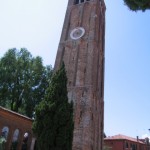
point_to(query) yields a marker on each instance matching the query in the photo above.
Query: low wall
(16, 129)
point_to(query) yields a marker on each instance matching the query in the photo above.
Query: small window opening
(69, 83)
(3, 137)
(14, 143)
(4, 133)
(92, 117)
(80, 1)
(84, 70)
(82, 93)
(76, 1)
(131, 145)
(127, 146)
(80, 114)
(25, 141)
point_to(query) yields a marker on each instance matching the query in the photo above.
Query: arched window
(3, 137)
(4, 132)
(76, 1)
(15, 139)
(25, 141)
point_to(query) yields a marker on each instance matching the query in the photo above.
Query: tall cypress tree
(53, 123)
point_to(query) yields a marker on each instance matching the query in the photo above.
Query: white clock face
(77, 33)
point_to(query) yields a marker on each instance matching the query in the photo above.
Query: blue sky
(37, 24)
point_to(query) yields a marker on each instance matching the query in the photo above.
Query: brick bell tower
(81, 48)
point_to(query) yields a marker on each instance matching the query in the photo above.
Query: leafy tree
(138, 4)
(23, 80)
(53, 123)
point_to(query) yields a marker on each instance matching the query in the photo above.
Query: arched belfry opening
(80, 1)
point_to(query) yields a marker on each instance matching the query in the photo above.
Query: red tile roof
(123, 137)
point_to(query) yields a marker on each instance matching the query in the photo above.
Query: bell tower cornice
(76, 2)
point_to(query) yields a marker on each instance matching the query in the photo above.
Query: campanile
(81, 48)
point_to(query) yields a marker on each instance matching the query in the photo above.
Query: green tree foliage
(23, 80)
(53, 123)
(138, 4)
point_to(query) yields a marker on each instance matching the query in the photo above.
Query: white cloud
(145, 136)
